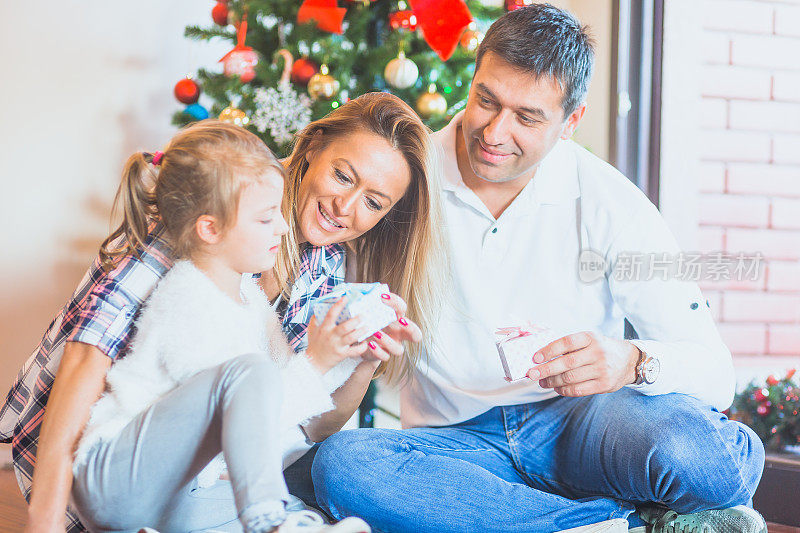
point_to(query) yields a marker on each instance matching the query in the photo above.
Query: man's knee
(747, 455)
(346, 457)
(703, 460)
(343, 451)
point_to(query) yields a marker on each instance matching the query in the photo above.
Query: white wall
(593, 130)
(82, 86)
(680, 127)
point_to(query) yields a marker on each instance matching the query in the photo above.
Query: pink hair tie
(157, 156)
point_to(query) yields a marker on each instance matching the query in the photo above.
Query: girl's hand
(329, 344)
(387, 343)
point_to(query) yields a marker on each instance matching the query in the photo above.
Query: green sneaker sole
(739, 519)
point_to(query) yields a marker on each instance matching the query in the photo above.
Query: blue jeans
(544, 466)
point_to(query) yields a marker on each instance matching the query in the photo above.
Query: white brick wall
(749, 182)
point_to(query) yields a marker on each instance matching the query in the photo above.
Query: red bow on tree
(442, 23)
(325, 13)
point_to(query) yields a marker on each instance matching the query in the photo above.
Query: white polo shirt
(524, 265)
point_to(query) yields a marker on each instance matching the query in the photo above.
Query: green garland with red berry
(771, 410)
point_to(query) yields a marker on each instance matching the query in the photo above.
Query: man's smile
(491, 155)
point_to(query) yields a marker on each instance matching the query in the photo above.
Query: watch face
(650, 370)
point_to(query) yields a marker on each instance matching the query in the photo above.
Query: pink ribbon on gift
(513, 332)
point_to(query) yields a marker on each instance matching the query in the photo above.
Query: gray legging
(146, 475)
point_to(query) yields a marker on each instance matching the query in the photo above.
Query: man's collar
(555, 181)
(446, 138)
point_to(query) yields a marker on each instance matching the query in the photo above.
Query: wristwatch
(647, 369)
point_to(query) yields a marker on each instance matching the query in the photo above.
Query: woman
(360, 177)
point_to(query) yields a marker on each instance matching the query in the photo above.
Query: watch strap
(639, 369)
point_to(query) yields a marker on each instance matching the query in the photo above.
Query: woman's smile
(328, 221)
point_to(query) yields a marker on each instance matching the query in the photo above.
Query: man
(603, 425)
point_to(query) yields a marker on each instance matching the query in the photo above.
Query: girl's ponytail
(137, 202)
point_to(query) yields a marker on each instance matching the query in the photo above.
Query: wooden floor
(12, 507)
(12, 504)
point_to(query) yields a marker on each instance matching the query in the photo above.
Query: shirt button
(494, 230)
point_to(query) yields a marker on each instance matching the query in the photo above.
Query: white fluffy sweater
(188, 325)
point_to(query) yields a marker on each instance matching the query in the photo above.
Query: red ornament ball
(302, 70)
(763, 409)
(220, 13)
(760, 396)
(187, 91)
(511, 5)
(772, 381)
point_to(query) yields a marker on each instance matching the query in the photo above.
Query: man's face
(512, 120)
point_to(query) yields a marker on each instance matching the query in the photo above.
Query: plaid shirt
(321, 269)
(101, 313)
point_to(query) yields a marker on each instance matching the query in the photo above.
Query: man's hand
(585, 363)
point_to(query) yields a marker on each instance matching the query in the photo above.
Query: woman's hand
(329, 344)
(78, 384)
(41, 524)
(387, 343)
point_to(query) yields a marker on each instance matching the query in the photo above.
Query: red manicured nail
(386, 297)
(378, 335)
(403, 321)
(372, 345)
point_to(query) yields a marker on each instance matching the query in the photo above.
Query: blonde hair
(201, 172)
(406, 249)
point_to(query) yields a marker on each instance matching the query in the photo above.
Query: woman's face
(348, 187)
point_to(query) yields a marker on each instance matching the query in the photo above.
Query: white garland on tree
(283, 111)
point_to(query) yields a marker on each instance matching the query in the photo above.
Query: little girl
(209, 370)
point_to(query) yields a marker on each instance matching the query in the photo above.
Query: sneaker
(739, 519)
(311, 522)
(617, 525)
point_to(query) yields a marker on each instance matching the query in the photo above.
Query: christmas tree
(772, 410)
(295, 61)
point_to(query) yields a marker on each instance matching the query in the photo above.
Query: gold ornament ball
(401, 72)
(234, 115)
(431, 104)
(234, 16)
(471, 39)
(323, 85)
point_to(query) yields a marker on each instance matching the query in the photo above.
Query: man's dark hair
(545, 40)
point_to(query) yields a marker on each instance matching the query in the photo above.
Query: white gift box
(516, 346)
(364, 301)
